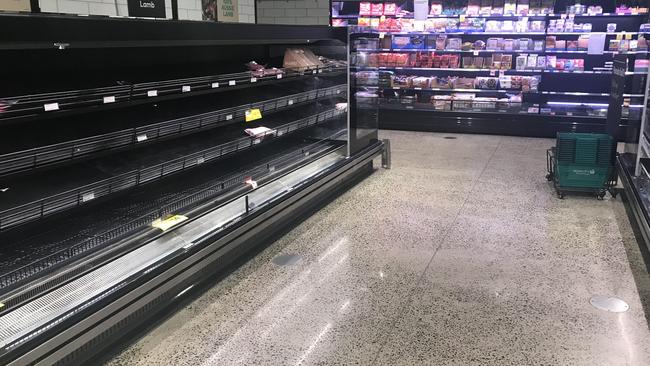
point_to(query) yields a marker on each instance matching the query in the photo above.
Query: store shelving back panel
(574, 98)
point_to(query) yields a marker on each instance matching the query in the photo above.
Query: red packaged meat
(377, 9)
(390, 9)
(364, 9)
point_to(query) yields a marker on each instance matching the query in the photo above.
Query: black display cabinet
(439, 85)
(139, 158)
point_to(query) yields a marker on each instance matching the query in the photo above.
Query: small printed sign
(147, 8)
(169, 222)
(51, 107)
(253, 114)
(152, 93)
(108, 100)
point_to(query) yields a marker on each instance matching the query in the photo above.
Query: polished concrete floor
(459, 255)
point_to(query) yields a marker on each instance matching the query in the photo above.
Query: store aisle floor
(459, 255)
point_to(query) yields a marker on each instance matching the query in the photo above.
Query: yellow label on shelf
(253, 114)
(628, 36)
(461, 18)
(2, 305)
(619, 36)
(167, 223)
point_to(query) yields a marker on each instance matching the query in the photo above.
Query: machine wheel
(549, 177)
(601, 195)
(560, 195)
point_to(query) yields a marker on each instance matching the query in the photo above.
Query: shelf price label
(279, 76)
(108, 100)
(152, 93)
(186, 89)
(228, 117)
(253, 80)
(142, 137)
(253, 114)
(290, 102)
(87, 197)
(169, 222)
(232, 83)
(200, 160)
(215, 85)
(51, 107)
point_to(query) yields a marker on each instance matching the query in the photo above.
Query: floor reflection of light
(314, 343)
(303, 281)
(344, 306)
(624, 335)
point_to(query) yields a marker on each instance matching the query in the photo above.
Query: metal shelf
(27, 106)
(83, 194)
(71, 150)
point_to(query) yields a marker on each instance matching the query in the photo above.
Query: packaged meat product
(436, 9)
(506, 62)
(486, 7)
(441, 42)
(377, 9)
(300, 58)
(410, 42)
(492, 44)
(454, 43)
(523, 7)
(441, 102)
(551, 62)
(454, 61)
(541, 62)
(390, 9)
(505, 81)
(508, 44)
(550, 42)
(402, 81)
(444, 61)
(486, 82)
(583, 42)
(365, 8)
(560, 45)
(363, 22)
(468, 62)
(572, 45)
(521, 62)
(497, 7)
(492, 26)
(420, 82)
(467, 46)
(473, 7)
(538, 45)
(532, 62)
(464, 83)
(510, 7)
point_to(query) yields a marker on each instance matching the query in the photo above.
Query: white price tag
(382, 34)
(253, 80)
(493, 72)
(272, 168)
(476, 53)
(51, 107)
(229, 117)
(569, 113)
(232, 83)
(152, 93)
(200, 160)
(320, 71)
(279, 76)
(87, 197)
(215, 85)
(110, 99)
(416, 88)
(251, 183)
(142, 137)
(314, 71)
(533, 110)
(186, 88)
(290, 102)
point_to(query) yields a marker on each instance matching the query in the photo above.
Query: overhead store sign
(15, 5)
(146, 8)
(228, 11)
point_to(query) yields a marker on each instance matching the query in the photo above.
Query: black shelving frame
(309, 131)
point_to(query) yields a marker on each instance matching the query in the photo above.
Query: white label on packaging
(409, 107)
(533, 110)
(152, 93)
(215, 85)
(314, 71)
(51, 107)
(569, 113)
(200, 160)
(290, 102)
(142, 137)
(87, 197)
(186, 88)
(417, 88)
(229, 117)
(279, 76)
(232, 83)
(253, 80)
(251, 183)
(110, 99)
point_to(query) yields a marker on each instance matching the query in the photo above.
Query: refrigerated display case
(140, 157)
(534, 71)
